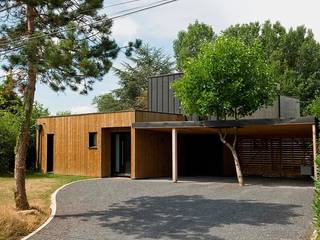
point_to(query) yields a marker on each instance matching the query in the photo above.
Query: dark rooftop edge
(223, 124)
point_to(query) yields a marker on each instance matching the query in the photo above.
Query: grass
(14, 225)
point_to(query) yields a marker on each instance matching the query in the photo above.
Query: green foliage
(9, 100)
(9, 125)
(63, 113)
(107, 103)
(188, 43)
(316, 203)
(10, 118)
(9, 130)
(314, 107)
(70, 47)
(294, 53)
(227, 79)
(145, 62)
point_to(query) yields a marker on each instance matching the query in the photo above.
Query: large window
(92, 139)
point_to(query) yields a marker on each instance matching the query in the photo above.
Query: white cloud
(165, 22)
(124, 28)
(159, 27)
(83, 109)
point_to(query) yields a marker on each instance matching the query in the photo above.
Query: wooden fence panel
(275, 156)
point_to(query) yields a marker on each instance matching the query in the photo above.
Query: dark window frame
(92, 143)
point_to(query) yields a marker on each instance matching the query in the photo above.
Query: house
(161, 142)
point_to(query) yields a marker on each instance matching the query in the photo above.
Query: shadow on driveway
(185, 217)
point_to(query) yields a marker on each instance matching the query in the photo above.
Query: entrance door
(50, 144)
(121, 154)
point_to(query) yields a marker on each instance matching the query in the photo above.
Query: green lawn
(39, 189)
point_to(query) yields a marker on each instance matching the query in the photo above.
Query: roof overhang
(223, 124)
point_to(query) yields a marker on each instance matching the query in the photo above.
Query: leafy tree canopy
(133, 79)
(63, 113)
(71, 44)
(9, 99)
(227, 79)
(107, 102)
(314, 107)
(294, 53)
(188, 43)
(10, 118)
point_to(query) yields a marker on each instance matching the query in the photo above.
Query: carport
(266, 147)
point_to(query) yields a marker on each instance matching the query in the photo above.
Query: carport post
(174, 155)
(314, 144)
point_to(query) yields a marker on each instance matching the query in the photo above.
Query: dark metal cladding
(161, 96)
(161, 99)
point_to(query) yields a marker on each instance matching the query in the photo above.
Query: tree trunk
(23, 138)
(232, 148)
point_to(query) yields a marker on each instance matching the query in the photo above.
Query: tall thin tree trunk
(23, 138)
(233, 150)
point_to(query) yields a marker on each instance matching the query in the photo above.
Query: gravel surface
(215, 208)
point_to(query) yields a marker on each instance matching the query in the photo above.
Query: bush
(316, 204)
(8, 134)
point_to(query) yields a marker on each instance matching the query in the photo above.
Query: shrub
(316, 204)
(8, 135)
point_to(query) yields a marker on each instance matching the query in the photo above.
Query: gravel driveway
(214, 208)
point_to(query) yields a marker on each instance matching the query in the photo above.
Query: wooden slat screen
(274, 156)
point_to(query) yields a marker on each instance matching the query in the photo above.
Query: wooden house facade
(275, 141)
(141, 144)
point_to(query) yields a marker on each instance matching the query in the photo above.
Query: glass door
(121, 154)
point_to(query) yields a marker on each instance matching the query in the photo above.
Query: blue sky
(158, 27)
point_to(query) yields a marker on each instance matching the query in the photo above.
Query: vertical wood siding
(72, 155)
(152, 154)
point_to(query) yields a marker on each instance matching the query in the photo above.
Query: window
(92, 139)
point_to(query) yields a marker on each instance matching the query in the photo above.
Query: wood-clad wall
(72, 155)
(152, 154)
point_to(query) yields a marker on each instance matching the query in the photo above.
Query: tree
(314, 107)
(10, 118)
(9, 99)
(227, 79)
(133, 80)
(10, 105)
(188, 43)
(63, 113)
(107, 103)
(9, 125)
(294, 53)
(60, 43)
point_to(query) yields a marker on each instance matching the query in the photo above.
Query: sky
(158, 27)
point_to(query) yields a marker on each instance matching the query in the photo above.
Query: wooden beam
(174, 155)
(314, 144)
(133, 153)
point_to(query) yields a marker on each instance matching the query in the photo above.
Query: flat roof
(223, 124)
(112, 112)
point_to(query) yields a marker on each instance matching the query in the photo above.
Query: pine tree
(64, 44)
(133, 77)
